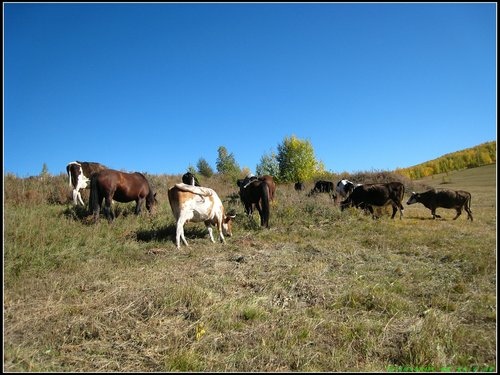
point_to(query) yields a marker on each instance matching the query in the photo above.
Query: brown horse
(256, 192)
(122, 187)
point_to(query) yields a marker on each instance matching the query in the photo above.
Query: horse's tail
(94, 200)
(264, 220)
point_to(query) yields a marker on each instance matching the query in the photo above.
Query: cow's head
(227, 224)
(415, 197)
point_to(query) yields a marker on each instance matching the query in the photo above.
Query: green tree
(226, 163)
(268, 165)
(297, 161)
(45, 171)
(204, 168)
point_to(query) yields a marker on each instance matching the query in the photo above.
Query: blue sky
(156, 87)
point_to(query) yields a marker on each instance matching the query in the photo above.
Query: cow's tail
(264, 220)
(94, 200)
(402, 197)
(69, 175)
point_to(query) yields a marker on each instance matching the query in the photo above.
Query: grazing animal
(110, 185)
(190, 179)
(269, 180)
(299, 186)
(322, 187)
(344, 188)
(368, 195)
(432, 199)
(79, 173)
(196, 204)
(257, 192)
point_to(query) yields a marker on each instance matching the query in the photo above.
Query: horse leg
(138, 205)
(107, 209)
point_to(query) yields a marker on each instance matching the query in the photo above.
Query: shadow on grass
(77, 213)
(168, 233)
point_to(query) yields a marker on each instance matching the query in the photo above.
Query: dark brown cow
(79, 173)
(299, 186)
(432, 199)
(367, 195)
(322, 187)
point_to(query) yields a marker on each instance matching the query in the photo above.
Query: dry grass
(321, 290)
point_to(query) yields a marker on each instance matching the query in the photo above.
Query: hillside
(477, 156)
(321, 290)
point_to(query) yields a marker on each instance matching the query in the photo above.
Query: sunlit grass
(321, 290)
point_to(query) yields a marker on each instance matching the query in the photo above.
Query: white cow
(196, 204)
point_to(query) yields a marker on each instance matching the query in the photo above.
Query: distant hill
(477, 156)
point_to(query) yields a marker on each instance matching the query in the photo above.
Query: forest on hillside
(477, 156)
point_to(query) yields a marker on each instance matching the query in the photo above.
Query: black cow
(323, 187)
(190, 179)
(299, 186)
(368, 195)
(432, 199)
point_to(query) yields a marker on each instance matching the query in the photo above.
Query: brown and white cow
(79, 173)
(367, 195)
(432, 199)
(197, 204)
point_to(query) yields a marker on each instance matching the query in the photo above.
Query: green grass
(321, 290)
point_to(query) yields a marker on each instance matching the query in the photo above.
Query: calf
(196, 204)
(79, 173)
(368, 195)
(432, 199)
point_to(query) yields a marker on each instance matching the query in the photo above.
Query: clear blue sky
(156, 87)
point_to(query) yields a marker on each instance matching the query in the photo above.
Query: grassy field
(321, 290)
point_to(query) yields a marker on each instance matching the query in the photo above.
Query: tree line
(294, 161)
(477, 156)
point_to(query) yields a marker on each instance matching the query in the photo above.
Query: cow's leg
(210, 230)
(459, 212)
(434, 214)
(469, 213)
(80, 198)
(75, 197)
(394, 210)
(401, 209)
(179, 233)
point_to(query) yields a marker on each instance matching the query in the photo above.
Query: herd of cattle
(191, 202)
